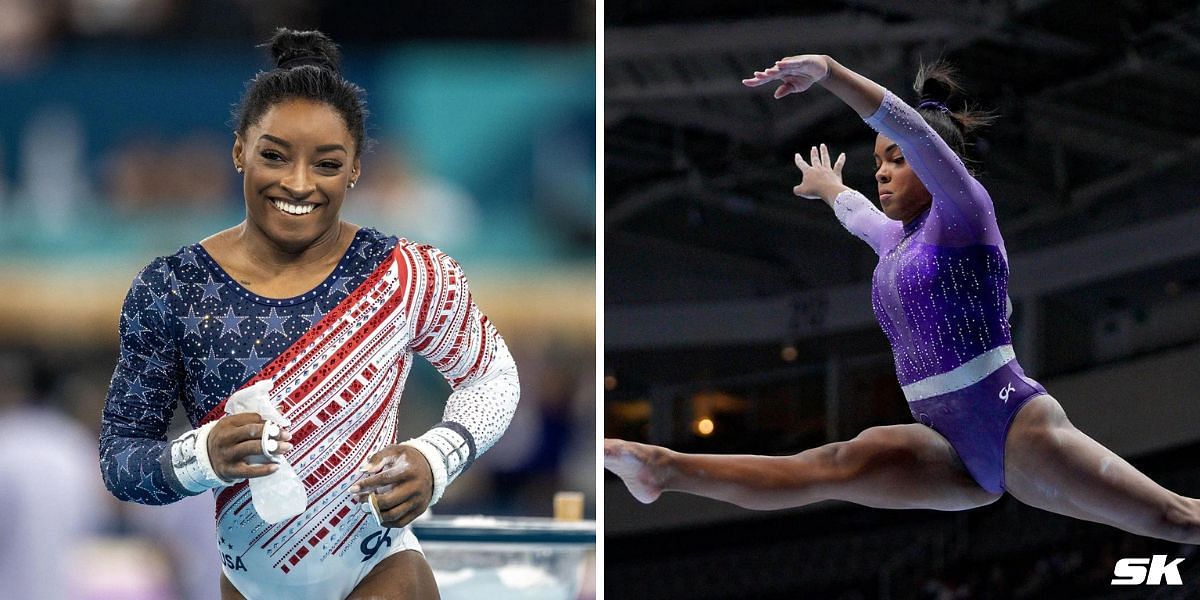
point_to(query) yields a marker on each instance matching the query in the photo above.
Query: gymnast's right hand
(796, 73)
(235, 447)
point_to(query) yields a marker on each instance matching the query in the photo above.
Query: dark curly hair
(308, 67)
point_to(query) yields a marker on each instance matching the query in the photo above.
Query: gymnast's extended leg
(898, 466)
(1054, 466)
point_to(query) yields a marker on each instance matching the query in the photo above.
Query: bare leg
(1052, 465)
(402, 576)
(899, 466)
(228, 592)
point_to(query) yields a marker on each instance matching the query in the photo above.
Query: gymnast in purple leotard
(940, 295)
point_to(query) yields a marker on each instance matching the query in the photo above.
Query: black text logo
(233, 562)
(374, 541)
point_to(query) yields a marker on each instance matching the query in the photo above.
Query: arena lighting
(610, 383)
(705, 426)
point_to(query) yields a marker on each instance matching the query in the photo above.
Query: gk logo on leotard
(1006, 391)
(369, 549)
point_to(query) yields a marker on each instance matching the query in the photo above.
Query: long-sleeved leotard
(940, 293)
(338, 357)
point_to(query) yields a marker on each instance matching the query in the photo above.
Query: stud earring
(352, 184)
(239, 168)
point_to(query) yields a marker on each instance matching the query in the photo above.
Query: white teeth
(293, 209)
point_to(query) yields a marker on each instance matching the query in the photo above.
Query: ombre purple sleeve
(860, 217)
(962, 212)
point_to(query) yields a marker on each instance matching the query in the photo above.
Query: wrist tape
(189, 460)
(448, 453)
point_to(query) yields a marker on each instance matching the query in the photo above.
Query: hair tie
(934, 104)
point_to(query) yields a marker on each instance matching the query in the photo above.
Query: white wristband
(437, 464)
(190, 461)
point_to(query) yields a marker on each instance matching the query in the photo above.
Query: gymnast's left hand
(823, 178)
(402, 482)
(795, 73)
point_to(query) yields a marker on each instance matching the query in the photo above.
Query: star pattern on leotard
(340, 285)
(187, 256)
(212, 363)
(314, 317)
(157, 363)
(134, 325)
(197, 391)
(211, 289)
(136, 388)
(122, 459)
(191, 323)
(159, 305)
(231, 322)
(274, 323)
(185, 325)
(253, 363)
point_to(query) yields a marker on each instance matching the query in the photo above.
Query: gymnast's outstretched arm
(957, 196)
(798, 73)
(822, 179)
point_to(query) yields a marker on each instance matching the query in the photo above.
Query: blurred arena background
(737, 317)
(115, 144)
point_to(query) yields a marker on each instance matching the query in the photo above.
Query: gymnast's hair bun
(937, 82)
(291, 48)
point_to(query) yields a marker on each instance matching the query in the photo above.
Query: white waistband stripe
(971, 372)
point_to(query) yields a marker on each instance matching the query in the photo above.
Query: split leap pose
(940, 292)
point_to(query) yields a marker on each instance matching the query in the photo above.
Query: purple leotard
(940, 293)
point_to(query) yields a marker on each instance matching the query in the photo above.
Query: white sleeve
(860, 217)
(462, 344)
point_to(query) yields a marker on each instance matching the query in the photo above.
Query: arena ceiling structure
(710, 261)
